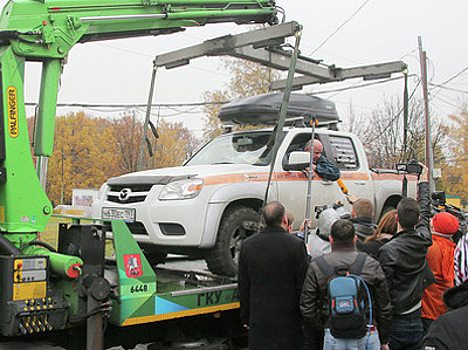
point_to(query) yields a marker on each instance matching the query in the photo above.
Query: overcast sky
(372, 31)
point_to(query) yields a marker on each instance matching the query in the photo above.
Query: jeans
(369, 342)
(406, 332)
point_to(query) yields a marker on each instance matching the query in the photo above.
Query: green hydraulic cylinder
(45, 124)
(49, 29)
(65, 266)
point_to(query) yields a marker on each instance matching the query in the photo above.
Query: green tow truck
(43, 289)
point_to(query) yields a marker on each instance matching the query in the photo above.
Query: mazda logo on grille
(124, 194)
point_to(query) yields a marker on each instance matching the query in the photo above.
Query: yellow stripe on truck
(179, 314)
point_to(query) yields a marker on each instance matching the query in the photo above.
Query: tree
(84, 155)
(455, 176)
(88, 151)
(175, 142)
(127, 132)
(248, 79)
(382, 134)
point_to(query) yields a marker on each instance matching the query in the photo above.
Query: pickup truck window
(240, 148)
(344, 152)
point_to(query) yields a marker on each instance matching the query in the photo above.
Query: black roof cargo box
(264, 109)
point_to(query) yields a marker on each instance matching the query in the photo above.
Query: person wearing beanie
(440, 260)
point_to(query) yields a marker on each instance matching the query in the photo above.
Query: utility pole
(429, 152)
(61, 192)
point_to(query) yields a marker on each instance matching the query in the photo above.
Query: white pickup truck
(210, 204)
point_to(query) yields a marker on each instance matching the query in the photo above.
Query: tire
(153, 254)
(237, 224)
(202, 344)
(385, 210)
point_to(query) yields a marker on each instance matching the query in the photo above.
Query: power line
(450, 98)
(446, 102)
(341, 26)
(354, 86)
(455, 76)
(409, 53)
(118, 48)
(433, 105)
(448, 88)
(397, 115)
(195, 66)
(450, 80)
(130, 105)
(358, 86)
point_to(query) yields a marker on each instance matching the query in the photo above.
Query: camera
(412, 167)
(439, 197)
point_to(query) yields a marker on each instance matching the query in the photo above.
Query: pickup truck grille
(134, 188)
(126, 194)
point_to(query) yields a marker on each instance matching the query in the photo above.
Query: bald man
(272, 267)
(322, 166)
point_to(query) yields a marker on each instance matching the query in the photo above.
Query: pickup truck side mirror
(298, 161)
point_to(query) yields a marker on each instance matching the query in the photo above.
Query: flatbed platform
(184, 288)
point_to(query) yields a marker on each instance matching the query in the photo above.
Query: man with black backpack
(346, 293)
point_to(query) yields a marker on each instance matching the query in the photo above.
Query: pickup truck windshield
(240, 148)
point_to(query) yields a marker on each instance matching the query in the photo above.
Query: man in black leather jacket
(403, 260)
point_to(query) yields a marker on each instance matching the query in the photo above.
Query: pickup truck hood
(201, 171)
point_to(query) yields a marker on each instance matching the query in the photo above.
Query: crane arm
(45, 31)
(49, 28)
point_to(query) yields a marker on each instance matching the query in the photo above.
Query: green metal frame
(45, 31)
(145, 298)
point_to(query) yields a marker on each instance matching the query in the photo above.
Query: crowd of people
(415, 277)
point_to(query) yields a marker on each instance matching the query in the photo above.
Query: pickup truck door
(348, 154)
(292, 187)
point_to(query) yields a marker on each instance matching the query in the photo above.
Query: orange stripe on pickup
(277, 176)
(398, 177)
(354, 176)
(225, 179)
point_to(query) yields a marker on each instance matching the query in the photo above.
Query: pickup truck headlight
(182, 189)
(101, 191)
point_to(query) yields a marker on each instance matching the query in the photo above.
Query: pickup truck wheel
(236, 225)
(385, 210)
(202, 344)
(153, 255)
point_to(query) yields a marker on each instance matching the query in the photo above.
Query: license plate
(127, 214)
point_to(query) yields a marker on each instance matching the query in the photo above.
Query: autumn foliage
(88, 151)
(248, 79)
(455, 175)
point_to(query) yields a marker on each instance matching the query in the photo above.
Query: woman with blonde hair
(385, 230)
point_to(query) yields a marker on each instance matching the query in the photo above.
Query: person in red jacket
(440, 260)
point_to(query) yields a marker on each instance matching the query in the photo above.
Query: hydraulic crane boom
(42, 289)
(45, 31)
